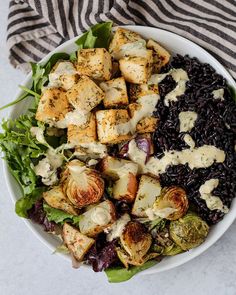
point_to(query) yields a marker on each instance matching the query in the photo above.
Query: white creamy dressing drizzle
(100, 216)
(189, 141)
(112, 93)
(212, 202)
(93, 148)
(154, 213)
(63, 68)
(76, 117)
(117, 227)
(38, 133)
(200, 157)
(187, 120)
(137, 48)
(92, 162)
(180, 76)
(218, 94)
(47, 167)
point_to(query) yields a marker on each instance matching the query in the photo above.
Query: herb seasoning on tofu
(129, 151)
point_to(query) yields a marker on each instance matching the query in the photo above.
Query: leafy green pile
(22, 150)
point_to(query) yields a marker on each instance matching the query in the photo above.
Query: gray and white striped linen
(36, 27)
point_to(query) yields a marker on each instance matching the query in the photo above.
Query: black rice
(215, 125)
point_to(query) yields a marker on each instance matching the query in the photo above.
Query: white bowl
(175, 44)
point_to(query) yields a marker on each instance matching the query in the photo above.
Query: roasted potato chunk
(123, 172)
(76, 242)
(137, 69)
(148, 191)
(115, 93)
(122, 36)
(83, 134)
(53, 106)
(160, 55)
(58, 200)
(113, 126)
(85, 95)
(83, 186)
(114, 168)
(95, 63)
(96, 219)
(125, 188)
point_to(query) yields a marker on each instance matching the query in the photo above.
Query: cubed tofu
(85, 95)
(63, 75)
(58, 200)
(76, 242)
(122, 36)
(86, 133)
(96, 219)
(149, 190)
(115, 168)
(138, 90)
(115, 93)
(125, 188)
(137, 69)
(53, 106)
(160, 55)
(145, 125)
(95, 63)
(113, 126)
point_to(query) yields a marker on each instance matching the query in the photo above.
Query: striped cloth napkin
(36, 27)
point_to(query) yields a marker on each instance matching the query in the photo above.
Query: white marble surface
(27, 267)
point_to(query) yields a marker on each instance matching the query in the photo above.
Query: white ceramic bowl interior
(175, 44)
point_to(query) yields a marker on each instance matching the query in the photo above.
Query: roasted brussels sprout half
(83, 186)
(189, 231)
(136, 242)
(172, 203)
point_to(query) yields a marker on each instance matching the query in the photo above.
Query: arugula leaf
(40, 78)
(59, 216)
(25, 203)
(73, 56)
(120, 274)
(97, 37)
(21, 149)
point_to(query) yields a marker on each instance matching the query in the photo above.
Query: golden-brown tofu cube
(85, 95)
(115, 93)
(76, 242)
(137, 69)
(113, 126)
(58, 200)
(86, 133)
(122, 36)
(53, 106)
(63, 75)
(138, 90)
(95, 63)
(145, 125)
(160, 55)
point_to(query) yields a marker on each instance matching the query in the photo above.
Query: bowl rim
(228, 218)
